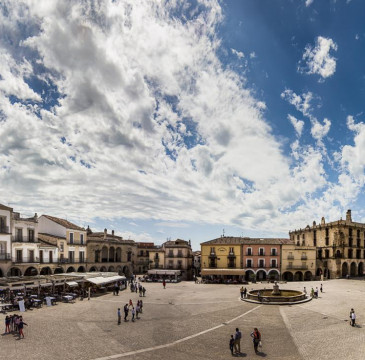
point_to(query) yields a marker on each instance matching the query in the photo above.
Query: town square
(195, 321)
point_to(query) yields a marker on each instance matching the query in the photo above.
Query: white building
(5, 238)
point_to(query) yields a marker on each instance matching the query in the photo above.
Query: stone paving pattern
(318, 329)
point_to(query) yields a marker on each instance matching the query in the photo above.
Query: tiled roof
(65, 223)
(4, 207)
(231, 240)
(44, 243)
(99, 236)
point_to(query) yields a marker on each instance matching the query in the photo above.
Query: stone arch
(46, 271)
(70, 269)
(14, 271)
(111, 254)
(118, 255)
(93, 269)
(360, 269)
(345, 269)
(31, 271)
(288, 276)
(111, 269)
(119, 270)
(1, 273)
(104, 254)
(319, 272)
(81, 269)
(273, 274)
(103, 269)
(353, 269)
(126, 271)
(250, 275)
(298, 276)
(260, 275)
(308, 276)
(59, 270)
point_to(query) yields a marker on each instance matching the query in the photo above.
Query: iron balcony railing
(72, 261)
(5, 256)
(4, 229)
(290, 257)
(23, 239)
(26, 259)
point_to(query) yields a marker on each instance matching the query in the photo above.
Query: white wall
(50, 227)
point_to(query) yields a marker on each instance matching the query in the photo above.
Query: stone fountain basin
(285, 295)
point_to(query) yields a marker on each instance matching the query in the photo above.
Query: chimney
(88, 230)
(323, 222)
(105, 232)
(348, 216)
(35, 216)
(112, 232)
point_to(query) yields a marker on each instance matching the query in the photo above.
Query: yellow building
(222, 257)
(298, 262)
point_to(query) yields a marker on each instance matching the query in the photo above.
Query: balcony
(212, 265)
(72, 261)
(170, 255)
(24, 239)
(290, 257)
(5, 256)
(297, 267)
(30, 259)
(303, 257)
(231, 255)
(4, 230)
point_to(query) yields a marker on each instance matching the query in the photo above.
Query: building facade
(5, 239)
(110, 252)
(298, 262)
(237, 258)
(340, 246)
(143, 257)
(173, 255)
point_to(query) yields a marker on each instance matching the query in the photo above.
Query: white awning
(164, 272)
(105, 280)
(46, 284)
(72, 283)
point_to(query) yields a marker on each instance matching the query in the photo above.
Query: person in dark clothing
(231, 344)
(119, 316)
(21, 326)
(126, 311)
(256, 337)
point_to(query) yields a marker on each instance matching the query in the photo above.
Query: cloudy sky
(178, 119)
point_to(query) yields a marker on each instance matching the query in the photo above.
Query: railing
(274, 254)
(5, 256)
(46, 261)
(170, 255)
(76, 243)
(212, 265)
(290, 257)
(303, 257)
(29, 259)
(24, 239)
(297, 267)
(72, 261)
(4, 230)
(231, 255)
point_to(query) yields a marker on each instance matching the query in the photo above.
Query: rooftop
(65, 223)
(232, 240)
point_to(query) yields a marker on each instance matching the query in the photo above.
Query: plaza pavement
(195, 321)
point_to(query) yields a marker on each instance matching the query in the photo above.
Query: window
(41, 256)
(3, 227)
(231, 250)
(350, 231)
(82, 239)
(249, 251)
(179, 253)
(171, 264)
(179, 264)
(61, 247)
(82, 256)
(314, 237)
(51, 256)
(31, 235)
(129, 256)
(273, 263)
(19, 235)
(326, 253)
(261, 251)
(71, 238)
(31, 255)
(71, 256)
(19, 255)
(249, 263)
(290, 255)
(261, 263)
(350, 254)
(304, 256)
(273, 252)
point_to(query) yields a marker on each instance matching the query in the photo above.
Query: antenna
(223, 232)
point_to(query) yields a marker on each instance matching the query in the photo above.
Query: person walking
(231, 344)
(138, 309)
(143, 291)
(245, 292)
(316, 292)
(321, 288)
(7, 324)
(305, 290)
(133, 313)
(241, 291)
(237, 341)
(126, 311)
(164, 283)
(21, 326)
(256, 337)
(119, 316)
(352, 317)
(312, 293)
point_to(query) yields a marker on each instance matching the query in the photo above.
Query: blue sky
(180, 119)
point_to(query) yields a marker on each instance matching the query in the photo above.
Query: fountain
(276, 296)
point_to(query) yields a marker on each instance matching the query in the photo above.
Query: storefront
(227, 276)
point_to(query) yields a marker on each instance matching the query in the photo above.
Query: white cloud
(252, 55)
(318, 58)
(308, 2)
(357, 37)
(298, 124)
(239, 54)
(318, 130)
(300, 102)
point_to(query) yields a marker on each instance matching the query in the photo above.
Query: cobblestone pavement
(194, 321)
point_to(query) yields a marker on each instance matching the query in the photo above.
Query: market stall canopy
(222, 272)
(164, 272)
(72, 283)
(105, 280)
